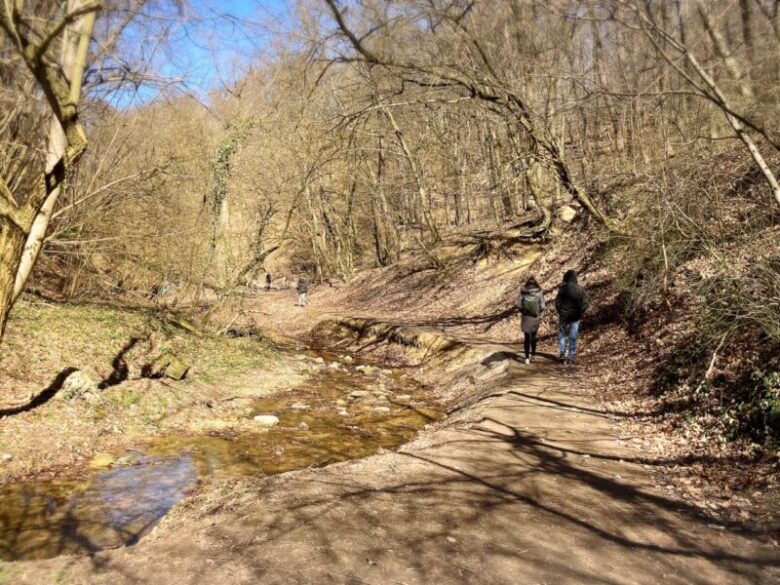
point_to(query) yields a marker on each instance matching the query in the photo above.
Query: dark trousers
(529, 343)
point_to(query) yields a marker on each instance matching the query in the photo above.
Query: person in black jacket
(571, 304)
(302, 289)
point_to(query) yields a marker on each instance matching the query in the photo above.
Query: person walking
(531, 305)
(571, 304)
(267, 281)
(303, 288)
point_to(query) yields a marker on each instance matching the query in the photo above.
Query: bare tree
(59, 79)
(481, 80)
(703, 82)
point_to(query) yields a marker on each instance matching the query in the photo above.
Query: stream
(338, 414)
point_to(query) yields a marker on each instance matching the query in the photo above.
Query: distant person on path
(268, 281)
(531, 305)
(303, 288)
(571, 304)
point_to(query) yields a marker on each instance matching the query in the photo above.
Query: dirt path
(528, 486)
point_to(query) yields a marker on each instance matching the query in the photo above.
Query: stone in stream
(341, 402)
(382, 409)
(299, 406)
(101, 461)
(380, 388)
(366, 369)
(403, 398)
(343, 412)
(5, 457)
(334, 366)
(347, 359)
(266, 420)
(358, 394)
(303, 426)
(129, 459)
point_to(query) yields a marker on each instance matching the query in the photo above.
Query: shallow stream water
(117, 506)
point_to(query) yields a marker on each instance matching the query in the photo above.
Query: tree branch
(40, 49)
(9, 207)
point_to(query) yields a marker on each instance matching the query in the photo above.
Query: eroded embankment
(459, 372)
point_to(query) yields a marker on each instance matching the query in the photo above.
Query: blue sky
(213, 43)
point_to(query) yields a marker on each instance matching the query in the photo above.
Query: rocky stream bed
(343, 411)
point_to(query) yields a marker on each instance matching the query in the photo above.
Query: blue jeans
(568, 332)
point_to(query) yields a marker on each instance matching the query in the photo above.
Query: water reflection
(114, 508)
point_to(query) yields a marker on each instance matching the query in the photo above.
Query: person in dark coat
(302, 288)
(531, 305)
(571, 304)
(268, 281)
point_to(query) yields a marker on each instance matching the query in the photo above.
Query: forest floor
(532, 478)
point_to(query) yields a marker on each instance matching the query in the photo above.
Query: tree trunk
(457, 192)
(75, 46)
(494, 151)
(422, 192)
(747, 30)
(35, 239)
(318, 238)
(379, 211)
(723, 50)
(12, 240)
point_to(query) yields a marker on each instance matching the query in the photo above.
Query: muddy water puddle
(337, 415)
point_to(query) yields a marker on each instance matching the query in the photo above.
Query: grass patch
(90, 337)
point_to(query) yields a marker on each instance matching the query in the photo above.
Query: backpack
(530, 305)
